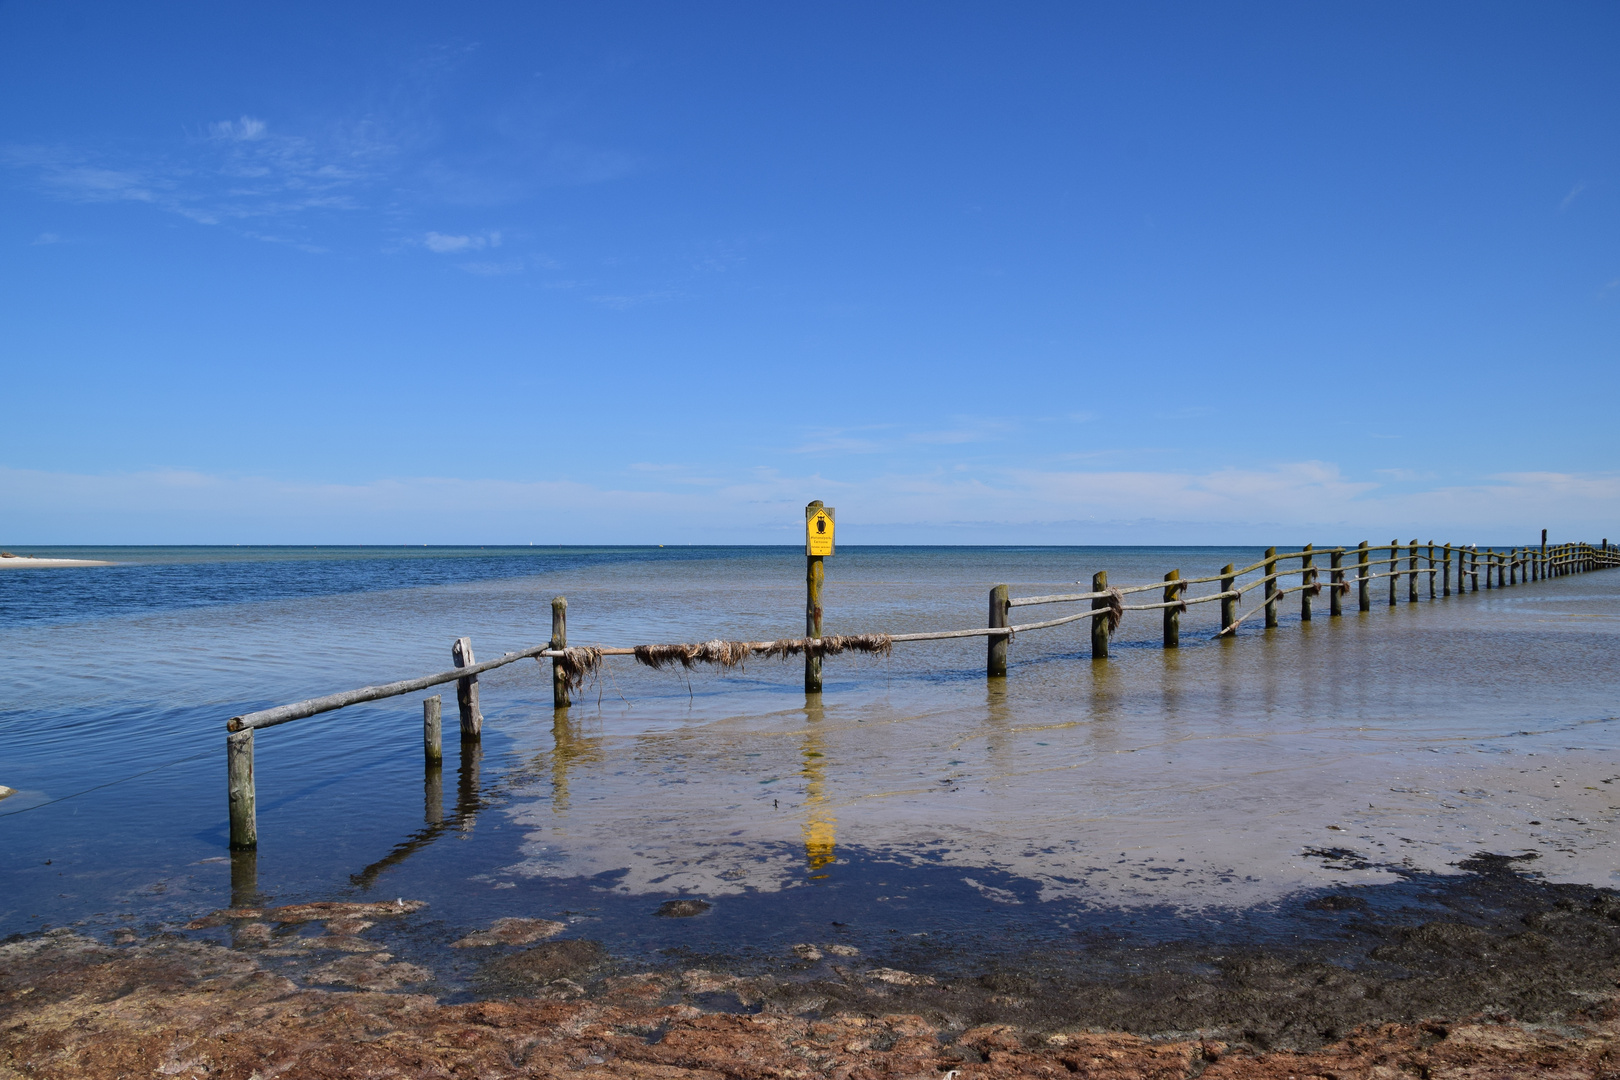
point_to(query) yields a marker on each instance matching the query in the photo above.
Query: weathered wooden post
(472, 720)
(1336, 582)
(1541, 570)
(1099, 623)
(1172, 614)
(243, 797)
(1501, 570)
(1363, 568)
(1431, 570)
(996, 660)
(1445, 573)
(1513, 566)
(432, 761)
(1228, 603)
(1490, 569)
(432, 745)
(1473, 568)
(1412, 575)
(1394, 569)
(1306, 578)
(559, 640)
(818, 544)
(1271, 588)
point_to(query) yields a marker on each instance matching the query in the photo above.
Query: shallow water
(1195, 786)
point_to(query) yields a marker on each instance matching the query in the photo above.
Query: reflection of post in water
(472, 757)
(998, 717)
(1104, 692)
(244, 877)
(569, 748)
(469, 800)
(820, 827)
(1170, 684)
(433, 793)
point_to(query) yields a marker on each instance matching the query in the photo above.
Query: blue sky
(1046, 273)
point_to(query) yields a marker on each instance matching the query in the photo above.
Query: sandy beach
(28, 562)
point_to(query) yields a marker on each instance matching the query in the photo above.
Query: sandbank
(24, 562)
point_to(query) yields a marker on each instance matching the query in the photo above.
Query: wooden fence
(1442, 568)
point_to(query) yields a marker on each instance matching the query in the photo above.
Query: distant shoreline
(26, 562)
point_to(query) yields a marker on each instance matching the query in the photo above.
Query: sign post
(818, 544)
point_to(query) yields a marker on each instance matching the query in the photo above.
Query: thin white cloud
(626, 301)
(1574, 192)
(451, 243)
(247, 129)
(235, 171)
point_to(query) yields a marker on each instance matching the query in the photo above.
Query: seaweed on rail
(1116, 607)
(729, 654)
(578, 664)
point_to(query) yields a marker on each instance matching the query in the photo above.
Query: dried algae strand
(1115, 602)
(728, 654)
(577, 664)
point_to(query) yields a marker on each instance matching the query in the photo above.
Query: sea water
(913, 797)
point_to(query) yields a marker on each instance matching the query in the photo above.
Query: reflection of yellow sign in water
(820, 827)
(818, 530)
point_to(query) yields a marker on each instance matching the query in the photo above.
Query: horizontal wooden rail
(298, 710)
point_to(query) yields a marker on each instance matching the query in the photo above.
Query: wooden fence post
(472, 721)
(1473, 568)
(815, 576)
(996, 660)
(1411, 578)
(1172, 615)
(559, 640)
(1228, 604)
(243, 796)
(1335, 582)
(1271, 588)
(1306, 577)
(1541, 570)
(432, 761)
(432, 744)
(1099, 623)
(1394, 570)
(1432, 568)
(1445, 573)
(1363, 568)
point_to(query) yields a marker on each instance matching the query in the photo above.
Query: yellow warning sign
(818, 530)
